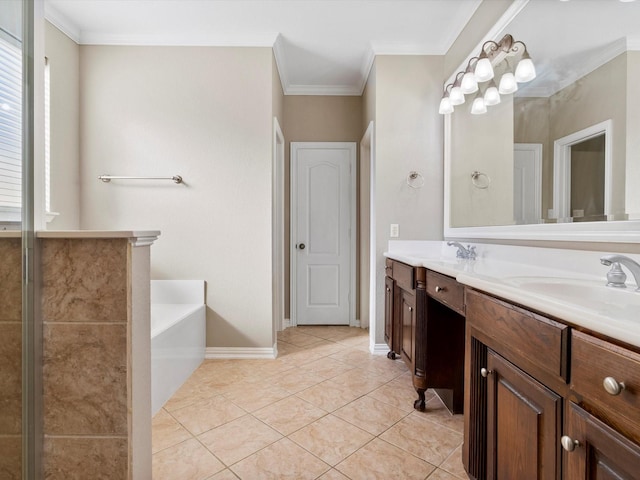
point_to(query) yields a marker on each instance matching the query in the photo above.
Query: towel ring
(415, 180)
(477, 180)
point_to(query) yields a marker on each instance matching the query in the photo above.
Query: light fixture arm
(480, 70)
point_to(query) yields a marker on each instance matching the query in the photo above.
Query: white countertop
(567, 284)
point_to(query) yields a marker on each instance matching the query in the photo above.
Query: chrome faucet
(616, 277)
(468, 253)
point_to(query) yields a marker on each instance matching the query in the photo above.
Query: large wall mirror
(558, 159)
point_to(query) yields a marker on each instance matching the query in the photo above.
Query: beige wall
(482, 143)
(632, 169)
(531, 125)
(408, 136)
(311, 118)
(64, 67)
(204, 113)
(596, 97)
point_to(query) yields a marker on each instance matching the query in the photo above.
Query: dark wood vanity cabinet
(535, 405)
(523, 423)
(424, 325)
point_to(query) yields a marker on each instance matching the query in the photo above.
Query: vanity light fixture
(525, 71)
(469, 83)
(445, 104)
(508, 82)
(478, 107)
(480, 69)
(491, 95)
(484, 69)
(455, 95)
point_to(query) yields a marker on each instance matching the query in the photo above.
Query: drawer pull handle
(568, 443)
(485, 373)
(440, 289)
(612, 386)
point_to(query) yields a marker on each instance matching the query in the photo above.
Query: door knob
(301, 246)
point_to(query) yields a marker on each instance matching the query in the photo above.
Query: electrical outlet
(395, 231)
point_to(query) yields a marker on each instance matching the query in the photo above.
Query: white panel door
(527, 183)
(322, 210)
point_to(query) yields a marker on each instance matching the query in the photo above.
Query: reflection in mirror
(587, 179)
(583, 80)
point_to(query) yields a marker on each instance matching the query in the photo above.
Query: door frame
(278, 253)
(294, 224)
(562, 168)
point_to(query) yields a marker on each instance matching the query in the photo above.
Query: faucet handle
(471, 252)
(616, 277)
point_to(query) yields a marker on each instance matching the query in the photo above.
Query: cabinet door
(601, 452)
(523, 425)
(389, 334)
(407, 313)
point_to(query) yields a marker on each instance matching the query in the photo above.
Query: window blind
(10, 130)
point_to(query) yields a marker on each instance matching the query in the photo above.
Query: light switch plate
(394, 231)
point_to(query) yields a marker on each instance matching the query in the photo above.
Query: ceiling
(322, 47)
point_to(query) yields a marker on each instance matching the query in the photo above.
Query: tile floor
(325, 409)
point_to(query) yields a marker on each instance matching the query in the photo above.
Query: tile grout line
(297, 367)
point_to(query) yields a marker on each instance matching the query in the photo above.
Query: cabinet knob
(388, 289)
(411, 309)
(568, 443)
(612, 386)
(440, 289)
(485, 373)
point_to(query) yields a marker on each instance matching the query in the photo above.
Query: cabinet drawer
(403, 275)
(593, 360)
(446, 290)
(525, 338)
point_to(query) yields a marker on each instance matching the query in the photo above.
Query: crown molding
(331, 90)
(365, 69)
(281, 63)
(514, 9)
(62, 23)
(182, 39)
(591, 63)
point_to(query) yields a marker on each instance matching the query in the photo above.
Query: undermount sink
(590, 294)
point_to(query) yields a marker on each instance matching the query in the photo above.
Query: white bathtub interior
(178, 326)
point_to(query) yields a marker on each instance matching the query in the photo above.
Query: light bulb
(525, 71)
(445, 106)
(456, 96)
(484, 70)
(478, 107)
(491, 96)
(508, 84)
(469, 83)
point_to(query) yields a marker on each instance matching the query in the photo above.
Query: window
(10, 130)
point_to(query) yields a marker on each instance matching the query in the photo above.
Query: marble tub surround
(567, 284)
(96, 354)
(10, 355)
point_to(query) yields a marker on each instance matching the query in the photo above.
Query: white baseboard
(355, 323)
(286, 323)
(240, 352)
(379, 349)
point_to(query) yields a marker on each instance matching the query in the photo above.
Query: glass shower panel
(17, 453)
